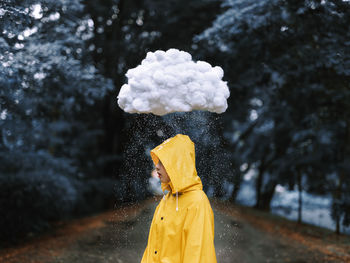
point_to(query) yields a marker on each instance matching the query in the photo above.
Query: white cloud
(171, 81)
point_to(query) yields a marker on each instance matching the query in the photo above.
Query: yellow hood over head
(177, 155)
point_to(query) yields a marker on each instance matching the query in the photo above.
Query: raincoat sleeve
(199, 235)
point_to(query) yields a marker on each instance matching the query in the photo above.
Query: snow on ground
(170, 81)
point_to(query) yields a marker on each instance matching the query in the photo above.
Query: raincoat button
(155, 252)
(161, 218)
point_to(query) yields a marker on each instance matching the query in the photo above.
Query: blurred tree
(48, 85)
(289, 69)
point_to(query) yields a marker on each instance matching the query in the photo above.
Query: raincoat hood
(177, 155)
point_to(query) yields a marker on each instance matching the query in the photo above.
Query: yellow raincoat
(182, 229)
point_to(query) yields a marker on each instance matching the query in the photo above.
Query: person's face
(163, 176)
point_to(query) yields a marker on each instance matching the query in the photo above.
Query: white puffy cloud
(171, 81)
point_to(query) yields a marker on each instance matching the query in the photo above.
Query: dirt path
(241, 235)
(246, 235)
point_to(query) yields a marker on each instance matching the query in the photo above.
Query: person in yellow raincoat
(182, 228)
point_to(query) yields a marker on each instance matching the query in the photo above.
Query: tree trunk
(337, 227)
(237, 187)
(263, 197)
(266, 196)
(237, 181)
(337, 197)
(258, 186)
(300, 200)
